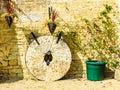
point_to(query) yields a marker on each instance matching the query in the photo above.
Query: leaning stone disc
(59, 65)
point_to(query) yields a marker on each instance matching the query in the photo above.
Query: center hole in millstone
(48, 57)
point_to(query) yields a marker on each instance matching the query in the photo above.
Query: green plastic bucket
(95, 70)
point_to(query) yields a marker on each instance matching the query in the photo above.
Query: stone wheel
(57, 66)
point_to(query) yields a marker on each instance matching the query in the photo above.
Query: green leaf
(103, 12)
(108, 7)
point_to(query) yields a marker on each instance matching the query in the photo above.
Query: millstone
(59, 64)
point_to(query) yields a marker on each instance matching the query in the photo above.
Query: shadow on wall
(10, 64)
(76, 68)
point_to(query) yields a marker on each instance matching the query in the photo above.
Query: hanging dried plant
(10, 11)
(8, 7)
(52, 16)
(7, 11)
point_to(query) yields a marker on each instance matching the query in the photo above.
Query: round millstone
(59, 65)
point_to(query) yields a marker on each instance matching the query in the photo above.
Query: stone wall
(14, 41)
(10, 63)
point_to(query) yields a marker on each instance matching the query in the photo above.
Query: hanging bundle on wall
(52, 16)
(7, 10)
(10, 11)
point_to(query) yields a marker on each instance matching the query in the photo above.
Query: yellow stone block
(13, 62)
(3, 63)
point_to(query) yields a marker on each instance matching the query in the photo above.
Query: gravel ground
(70, 84)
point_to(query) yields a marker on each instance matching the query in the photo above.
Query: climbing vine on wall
(96, 38)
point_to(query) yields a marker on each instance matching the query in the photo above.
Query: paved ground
(71, 84)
